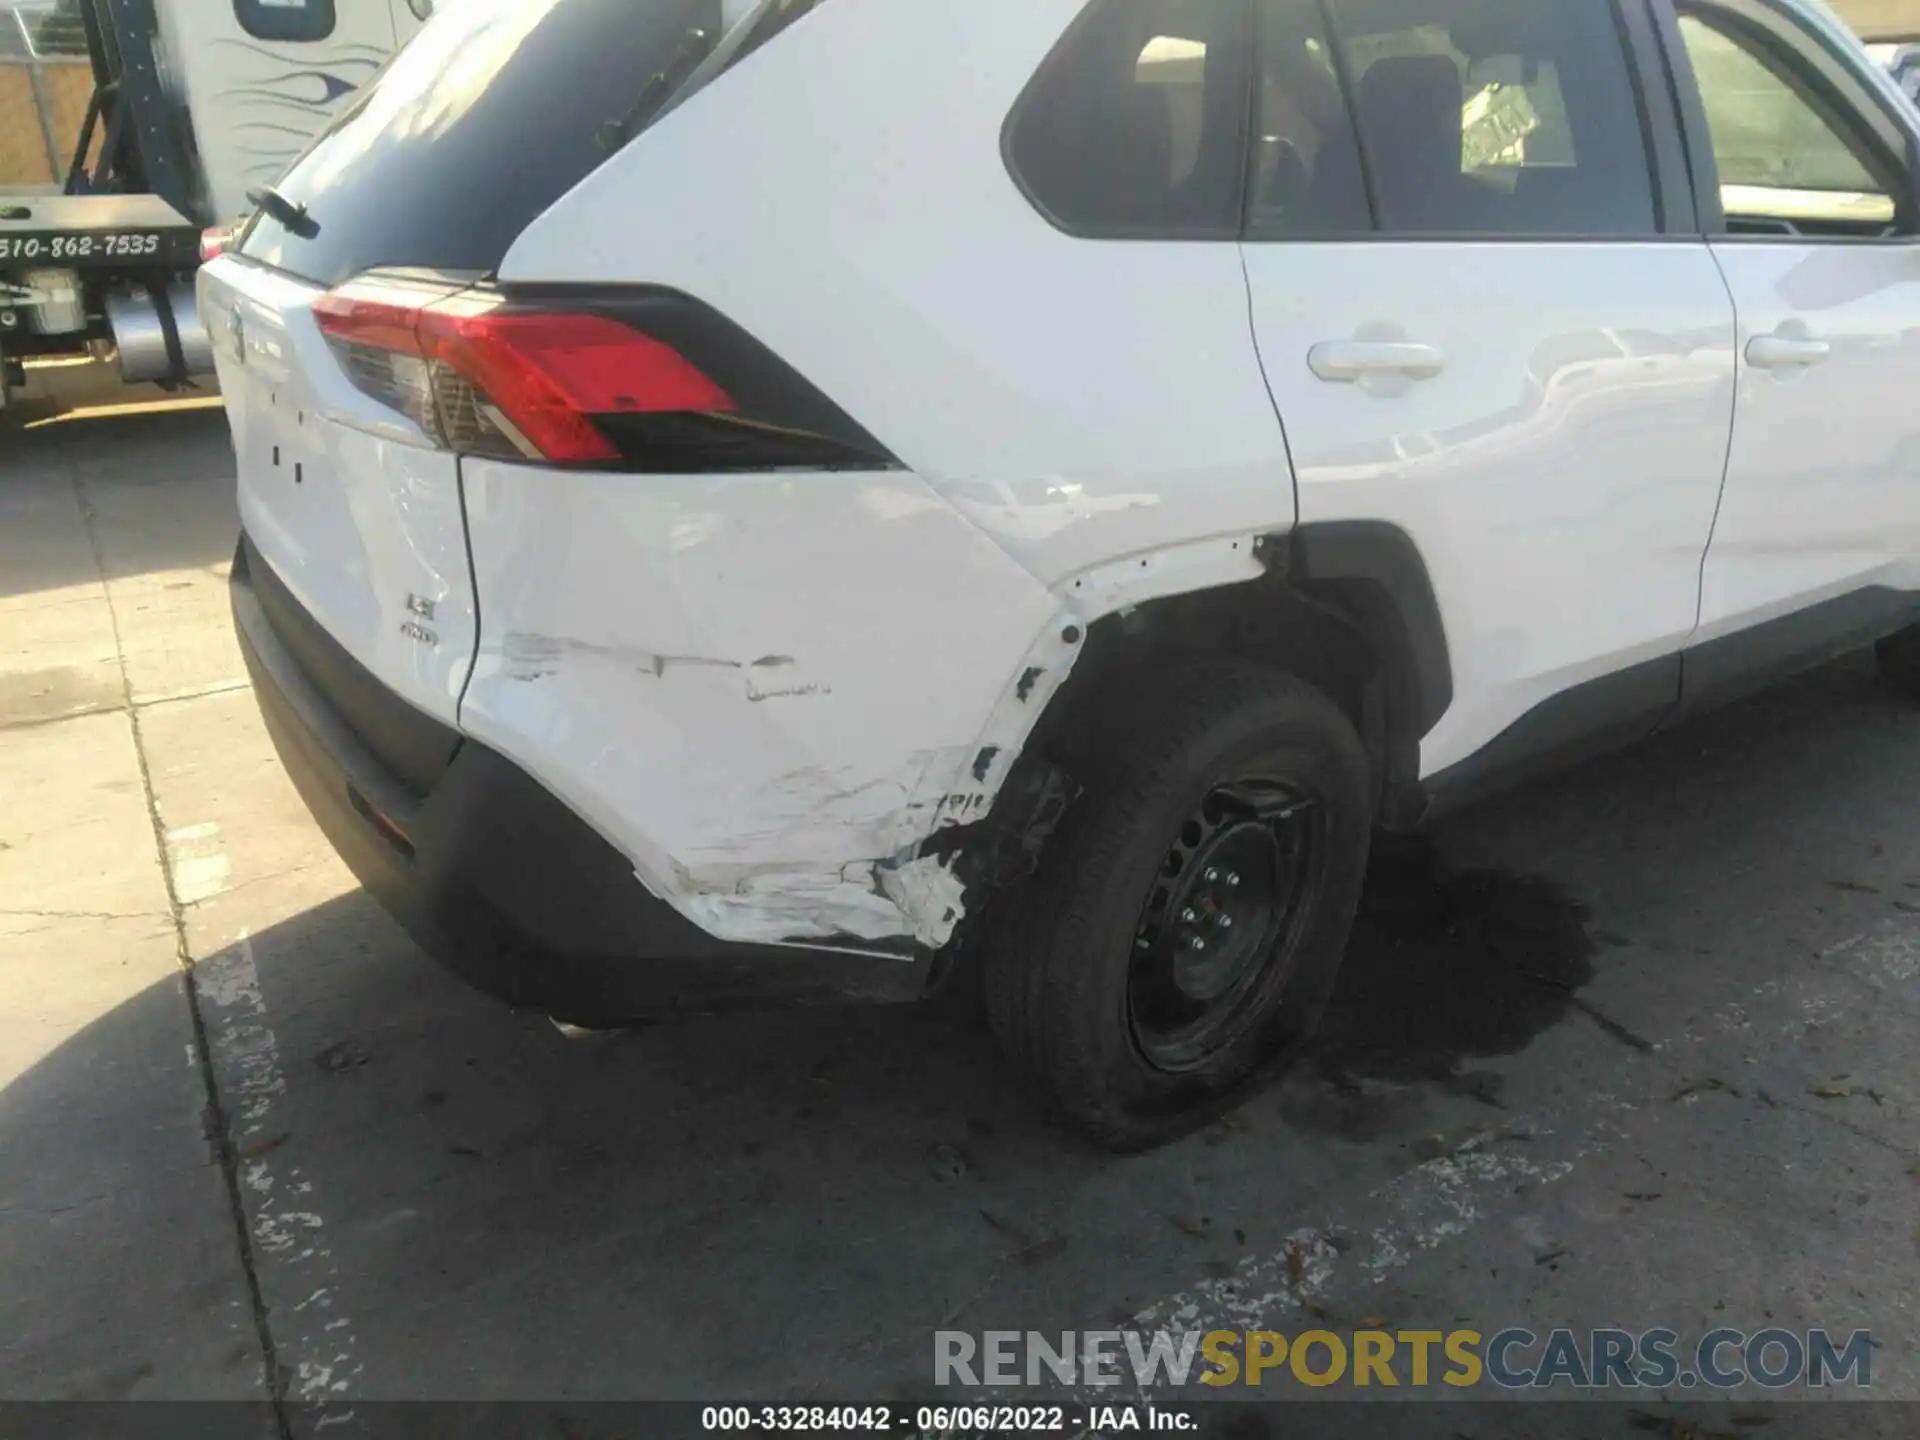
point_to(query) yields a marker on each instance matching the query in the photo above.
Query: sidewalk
(114, 1208)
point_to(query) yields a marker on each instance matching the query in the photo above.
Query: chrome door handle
(1345, 361)
(1781, 352)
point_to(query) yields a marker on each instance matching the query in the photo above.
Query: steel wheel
(1229, 805)
(1219, 932)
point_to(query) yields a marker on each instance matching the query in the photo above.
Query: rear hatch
(492, 113)
(342, 500)
(487, 117)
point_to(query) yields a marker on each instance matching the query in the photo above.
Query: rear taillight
(213, 243)
(487, 378)
(641, 384)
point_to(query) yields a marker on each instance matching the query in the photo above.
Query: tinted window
(1136, 124)
(1497, 116)
(1306, 163)
(492, 113)
(295, 20)
(1789, 160)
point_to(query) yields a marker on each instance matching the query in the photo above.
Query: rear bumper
(497, 879)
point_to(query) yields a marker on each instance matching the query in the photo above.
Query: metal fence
(45, 82)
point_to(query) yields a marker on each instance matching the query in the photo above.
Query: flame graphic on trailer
(263, 78)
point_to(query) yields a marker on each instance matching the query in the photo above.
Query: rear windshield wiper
(289, 213)
(693, 48)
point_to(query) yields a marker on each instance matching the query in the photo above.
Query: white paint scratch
(198, 862)
(1889, 958)
(1415, 1213)
(1445, 1198)
(246, 1057)
(930, 895)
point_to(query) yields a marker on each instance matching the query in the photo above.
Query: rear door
(1488, 318)
(1821, 247)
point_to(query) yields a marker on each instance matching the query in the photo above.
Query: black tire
(1899, 657)
(1089, 963)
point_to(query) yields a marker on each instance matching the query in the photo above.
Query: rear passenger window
(1496, 116)
(285, 20)
(1136, 124)
(1307, 178)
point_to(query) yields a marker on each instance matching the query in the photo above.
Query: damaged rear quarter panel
(1082, 599)
(764, 689)
(1074, 401)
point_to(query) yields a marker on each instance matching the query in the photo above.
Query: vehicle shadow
(791, 1204)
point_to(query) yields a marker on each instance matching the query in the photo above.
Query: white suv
(755, 501)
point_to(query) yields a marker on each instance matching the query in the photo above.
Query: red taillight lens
(596, 365)
(213, 244)
(641, 379)
(483, 377)
(392, 325)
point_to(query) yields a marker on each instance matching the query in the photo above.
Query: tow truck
(197, 107)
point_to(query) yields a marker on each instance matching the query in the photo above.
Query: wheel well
(1348, 608)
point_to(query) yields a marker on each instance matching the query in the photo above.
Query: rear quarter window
(1135, 126)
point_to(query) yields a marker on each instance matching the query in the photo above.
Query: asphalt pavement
(1636, 1047)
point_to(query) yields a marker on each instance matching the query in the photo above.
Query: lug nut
(1233, 880)
(1196, 944)
(1212, 875)
(1226, 922)
(1188, 916)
